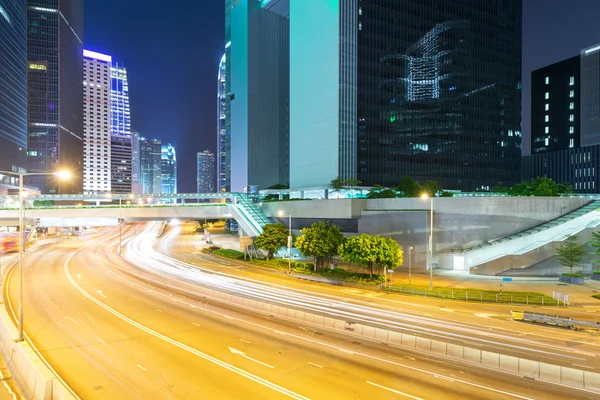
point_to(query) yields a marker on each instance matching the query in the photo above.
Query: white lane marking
(446, 309)
(241, 353)
(395, 391)
(71, 319)
(584, 366)
(481, 315)
(142, 368)
(78, 276)
(100, 293)
(245, 341)
(182, 346)
(88, 315)
(316, 365)
(279, 332)
(444, 377)
(193, 323)
(328, 345)
(157, 310)
(228, 317)
(100, 340)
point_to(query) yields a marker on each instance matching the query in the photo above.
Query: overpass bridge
(106, 210)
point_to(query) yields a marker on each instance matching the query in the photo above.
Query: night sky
(172, 50)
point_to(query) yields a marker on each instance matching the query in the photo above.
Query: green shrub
(596, 272)
(596, 296)
(229, 253)
(572, 275)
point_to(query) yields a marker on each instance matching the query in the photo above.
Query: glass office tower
(13, 88)
(385, 89)
(150, 165)
(205, 174)
(55, 93)
(223, 129)
(119, 101)
(168, 169)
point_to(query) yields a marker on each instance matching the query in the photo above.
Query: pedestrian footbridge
(105, 210)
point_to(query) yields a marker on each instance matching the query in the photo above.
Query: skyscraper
(150, 165)
(223, 129)
(13, 87)
(55, 92)
(386, 89)
(120, 161)
(206, 172)
(119, 101)
(96, 123)
(257, 83)
(168, 169)
(135, 156)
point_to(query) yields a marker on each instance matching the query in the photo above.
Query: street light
(425, 196)
(21, 175)
(289, 241)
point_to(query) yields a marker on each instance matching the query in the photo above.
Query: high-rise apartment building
(55, 93)
(223, 129)
(135, 156)
(206, 172)
(119, 101)
(257, 85)
(120, 158)
(13, 88)
(96, 123)
(555, 106)
(385, 89)
(565, 132)
(150, 165)
(168, 169)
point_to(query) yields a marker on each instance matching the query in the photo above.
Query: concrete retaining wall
(31, 374)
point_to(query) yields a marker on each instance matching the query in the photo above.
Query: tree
(336, 184)
(409, 187)
(432, 188)
(447, 194)
(565, 188)
(273, 238)
(352, 183)
(278, 186)
(380, 192)
(570, 253)
(368, 250)
(321, 241)
(595, 243)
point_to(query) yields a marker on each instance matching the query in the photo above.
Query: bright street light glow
(281, 213)
(424, 196)
(63, 174)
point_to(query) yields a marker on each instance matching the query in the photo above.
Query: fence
(488, 296)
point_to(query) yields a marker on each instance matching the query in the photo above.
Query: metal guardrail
(555, 320)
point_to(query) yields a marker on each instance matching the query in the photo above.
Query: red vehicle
(9, 243)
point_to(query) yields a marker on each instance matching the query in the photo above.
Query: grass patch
(229, 253)
(596, 296)
(468, 294)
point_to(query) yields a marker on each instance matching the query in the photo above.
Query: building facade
(565, 141)
(386, 89)
(223, 129)
(120, 158)
(119, 101)
(168, 169)
(55, 106)
(96, 123)
(206, 172)
(150, 166)
(135, 156)
(555, 106)
(257, 83)
(13, 88)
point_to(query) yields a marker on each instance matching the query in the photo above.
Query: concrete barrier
(30, 372)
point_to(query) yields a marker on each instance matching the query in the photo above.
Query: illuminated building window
(547, 80)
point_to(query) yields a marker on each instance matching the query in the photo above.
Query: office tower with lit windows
(135, 156)
(257, 91)
(555, 106)
(119, 101)
(150, 166)
(565, 127)
(13, 88)
(223, 130)
(168, 169)
(96, 123)
(120, 162)
(385, 89)
(206, 172)
(55, 93)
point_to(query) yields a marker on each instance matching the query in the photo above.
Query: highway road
(471, 324)
(111, 334)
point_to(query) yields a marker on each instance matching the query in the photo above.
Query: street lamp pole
(431, 246)
(21, 176)
(289, 243)
(119, 225)
(410, 249)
